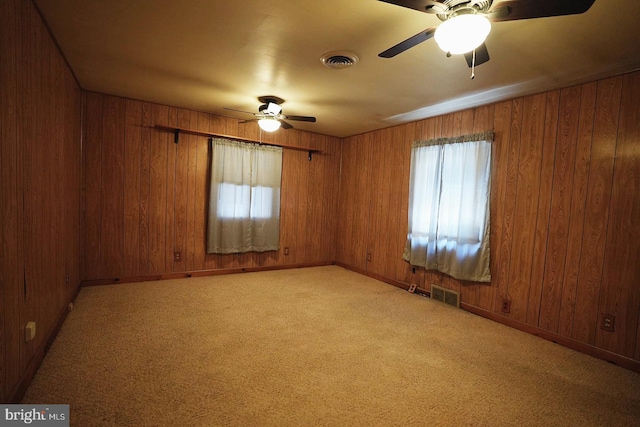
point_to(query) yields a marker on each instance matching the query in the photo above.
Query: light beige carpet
(319, 346)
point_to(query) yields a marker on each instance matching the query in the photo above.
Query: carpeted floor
(320, 346)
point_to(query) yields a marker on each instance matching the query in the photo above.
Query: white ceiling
(210, 54)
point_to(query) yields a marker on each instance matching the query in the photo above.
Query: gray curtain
(449, 198)
(244, 197)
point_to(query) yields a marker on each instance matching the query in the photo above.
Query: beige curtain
(449, 206)
(244, 197)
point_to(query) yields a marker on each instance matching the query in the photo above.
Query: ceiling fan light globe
(462, 33)
(269, 124)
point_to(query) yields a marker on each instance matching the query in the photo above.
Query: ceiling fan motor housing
(453, 8)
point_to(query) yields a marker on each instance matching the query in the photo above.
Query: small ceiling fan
(269, 115)
(466, 23)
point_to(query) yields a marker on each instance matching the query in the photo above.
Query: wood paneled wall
(40, 161)
(565, 210)
(145, 197)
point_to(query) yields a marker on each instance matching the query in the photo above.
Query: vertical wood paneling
(166, 205)
(159, 145)
(398, 202)
(314, 206)
(579, 195)
(202, 193)
(288, 203)
(530, 156)
(39, 188)
(605, 127)
(544, 207)
(560, 208)
(620, 293)
(508, 213)
(331, 158)
(354, 214)
(302, 197)
(181, 190)
(553, 158)
(379, 188)
(5, 36)
(499, 168)
(145, 188)
(72, 182)
(170, 200)
(113, 185)
(10, 195)
(132, 167)
(192, 195)
(92, 187)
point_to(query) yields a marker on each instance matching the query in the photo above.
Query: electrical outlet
(29, 331)
(177, 256)
(506, 306)
(607, 322)
(286, 251)
(412, 288)
(368, 257)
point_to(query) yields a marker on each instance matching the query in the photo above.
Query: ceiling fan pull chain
(473, 65)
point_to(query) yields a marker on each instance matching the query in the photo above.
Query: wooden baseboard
(196, 273)
(16, 395)
(616, 359)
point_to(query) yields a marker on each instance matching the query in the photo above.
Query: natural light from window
(243, 201)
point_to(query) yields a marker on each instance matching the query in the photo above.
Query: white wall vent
(445, 295)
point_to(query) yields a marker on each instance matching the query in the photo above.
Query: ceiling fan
(269, 115)
(466, 23)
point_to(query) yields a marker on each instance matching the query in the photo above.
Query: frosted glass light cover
(269, 125)
(463, 33)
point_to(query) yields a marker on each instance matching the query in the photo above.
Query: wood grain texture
(145, 186)
(10, 195)
(564, 160)
(40, 134)
(160, 144)
(132, 165)
(181, 193)
(166, 207)
(528, 181)
(563, 191)
(544, 207)
(619, 292)
(509, 208)
(499, 168)
(585, 317)
(576, 224)
(93, 188)
(353, 222)
(113, 111)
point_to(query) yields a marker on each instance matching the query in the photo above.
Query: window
(449, 206)
(244, 198)
(243, 201)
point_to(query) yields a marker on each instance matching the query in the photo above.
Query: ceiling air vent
(339, 59)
